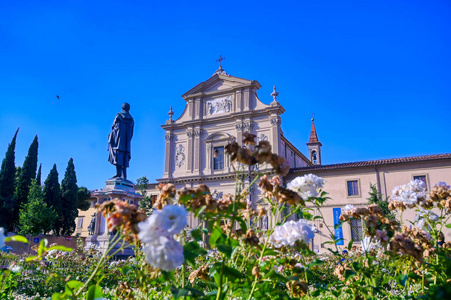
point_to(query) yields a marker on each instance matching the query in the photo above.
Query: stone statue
(92, 225)
(119, 141)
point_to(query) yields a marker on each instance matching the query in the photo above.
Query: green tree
(52, 197)
(146, 202)
(27, 174)
(69, 195)
(83, 198)
(38, 177)
(376, 198)
(35, 216)
(7, 184)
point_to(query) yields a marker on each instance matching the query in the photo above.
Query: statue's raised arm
(119, 145)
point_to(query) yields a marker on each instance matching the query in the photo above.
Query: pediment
(218, 83)
(219, 136)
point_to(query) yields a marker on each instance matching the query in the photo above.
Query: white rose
(306, 186)
(348, 208)
(164, 253)
(152, 227)
(291, 231)
(174, 218)
(168, 221)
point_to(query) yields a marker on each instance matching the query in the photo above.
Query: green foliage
(146, 202)
(83, 196)
(7, 184)
(35, 216)
(27, 174)
(69, 197)
(38, 176)
(52, 196)
(376, 198)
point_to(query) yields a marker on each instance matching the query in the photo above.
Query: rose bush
(230, 257)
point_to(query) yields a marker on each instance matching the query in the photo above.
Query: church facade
(218, 111)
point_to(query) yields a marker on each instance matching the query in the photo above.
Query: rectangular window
(422, 178)
(218, 158)
(356, 230)
(353, 188)
(80, 223)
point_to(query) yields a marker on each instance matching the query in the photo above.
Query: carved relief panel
(218, 106)
(179, 155)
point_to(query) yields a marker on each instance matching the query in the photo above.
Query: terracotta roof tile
(375, 162)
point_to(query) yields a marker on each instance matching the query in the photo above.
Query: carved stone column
(197, 150)
(190, 150)
(275, 133)
(168, 169)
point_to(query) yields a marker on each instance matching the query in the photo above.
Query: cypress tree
(35, 216)
(69, 195)
(38, 177)
(27, 173)
(7, 184)
(52, 196)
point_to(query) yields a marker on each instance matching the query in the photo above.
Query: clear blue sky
(376, 74)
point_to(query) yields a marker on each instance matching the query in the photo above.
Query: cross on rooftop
(219, 60)
(170, 113)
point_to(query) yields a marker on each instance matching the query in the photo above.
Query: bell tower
(314, 146)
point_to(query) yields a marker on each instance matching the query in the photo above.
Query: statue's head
(126, 107)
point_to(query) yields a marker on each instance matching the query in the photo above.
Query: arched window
(314, 158)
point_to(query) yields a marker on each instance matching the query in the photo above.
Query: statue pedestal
(115, 189)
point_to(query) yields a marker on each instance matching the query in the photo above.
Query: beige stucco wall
(390, 176)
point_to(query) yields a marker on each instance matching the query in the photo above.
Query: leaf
(16, 238)
(328, 242)
(307, 216)
(60, 248)
(350, 244)
(270, 252)
(402, 278)
(73, 286)
(57, 296)
(226, 249)
(348, 274)
(199, 211)
(31, 258)
(215, 235)
(232, 273)
(192, 250)
(197, 234)
(357, 266)
(125, 269)
(448, 225)
(317, 217)
(94, 292)
(316, 262)
(42, 247)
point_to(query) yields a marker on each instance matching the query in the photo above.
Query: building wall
(389, 176)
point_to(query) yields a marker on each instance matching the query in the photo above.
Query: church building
(219, 110)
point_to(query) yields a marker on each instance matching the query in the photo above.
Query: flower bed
(231, 258)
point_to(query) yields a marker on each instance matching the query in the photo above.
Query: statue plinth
(119, 185)
(115, 189)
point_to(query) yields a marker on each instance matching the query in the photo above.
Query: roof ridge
(378, 161)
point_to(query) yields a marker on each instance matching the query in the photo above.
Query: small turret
(314, 146)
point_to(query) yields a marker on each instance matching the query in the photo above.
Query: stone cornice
(203, 178)
(214, 120)
(275, 109)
